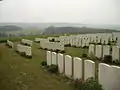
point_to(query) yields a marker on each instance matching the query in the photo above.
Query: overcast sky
(71, 11)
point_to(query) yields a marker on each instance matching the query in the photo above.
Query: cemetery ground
(19, 73)
(27, 74)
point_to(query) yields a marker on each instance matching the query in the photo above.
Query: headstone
(61, 62)
(115, 78)
(105, 39)
(98, 51)
(106, 50)
(77, 68)
(104, 76)
(10, 43)
(28, 51)
(80, 42)
(87, 41)
(24, 49)
(83, 41)
(68, 65)
(91, 50)
(77, 42)
(109, 76)
(26, 41)
(54, 58)
(99, 39)
(115, 53)
(37, 39)
(49, 57)
(89, 69)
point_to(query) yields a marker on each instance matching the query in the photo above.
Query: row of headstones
(10, 43)
(46, 44)
(108, 76)
(101, 50)
(20, 48)
(84, 39)
(27, 42)
(25, 50)
(38, 40)
(52, 45)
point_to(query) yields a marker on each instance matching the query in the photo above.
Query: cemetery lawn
(19, 73)
(76, 52)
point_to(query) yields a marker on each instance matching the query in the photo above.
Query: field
(25, 32)
(18, 38)
(19, 73)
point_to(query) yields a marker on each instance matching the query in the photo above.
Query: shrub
(86, 47)
(109, 43)
(53, 40)
(53, 69)
(57, 50)
(43, 63)
(67, 45)
(73, 46)
(62, 51)
(23, 54)
(91, 84)
(78, 84)
(28, 56)
(116, 62)
(107, 59)
(26, 44)
(45, 49)
(110, 49)
(99, 43)
(9, 46)
(3, 41)
(84, 55)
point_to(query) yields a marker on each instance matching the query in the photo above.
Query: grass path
(19, 73)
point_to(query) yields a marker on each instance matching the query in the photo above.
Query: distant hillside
(68, 30)
(10, 28)
(42, 26)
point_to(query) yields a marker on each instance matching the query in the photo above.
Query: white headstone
(115, 78)
(24, 49)
(83, 42)
(115, 53)
(61, 62)
(49, 57)
(109, 77)
(98, 52)
(68, 65)
(28, 51)
(10, 43)
(106, 50)
(104, 76)
(89, 69)
(54, 58)
(91, 49)
(77, 69)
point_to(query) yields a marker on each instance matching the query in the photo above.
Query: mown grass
(19, 73)
(76, 52)
(28, 73)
